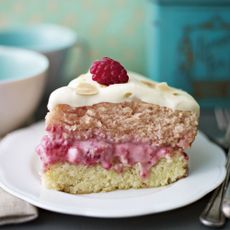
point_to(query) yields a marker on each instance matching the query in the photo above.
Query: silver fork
(223, 122)
(212, 214)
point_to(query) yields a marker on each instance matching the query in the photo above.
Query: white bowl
(54, 41)
(22, 81)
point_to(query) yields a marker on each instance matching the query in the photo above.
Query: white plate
(19, 175)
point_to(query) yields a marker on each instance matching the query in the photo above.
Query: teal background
(113, 28)
(189, 47)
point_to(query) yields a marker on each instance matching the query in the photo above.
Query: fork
(212, 214)
(223, 122)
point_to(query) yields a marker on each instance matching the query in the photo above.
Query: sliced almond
(176, 94)
(86, 89)
(163, 86)
(149, 84)
(128, 94)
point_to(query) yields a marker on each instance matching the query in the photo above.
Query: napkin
(14, 210)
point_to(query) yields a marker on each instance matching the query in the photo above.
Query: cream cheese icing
(83, 91)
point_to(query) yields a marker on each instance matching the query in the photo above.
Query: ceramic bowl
(22, 81)
(54, 41)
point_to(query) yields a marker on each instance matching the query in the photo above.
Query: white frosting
(160, 94)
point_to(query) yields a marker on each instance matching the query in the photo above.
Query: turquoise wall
(113, 28)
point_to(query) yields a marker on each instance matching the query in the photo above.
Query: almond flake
(163, 86)
(149, 84)
(176, 94)
(86, 89)
(128, 94)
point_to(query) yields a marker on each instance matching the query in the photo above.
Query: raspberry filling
(91, 152)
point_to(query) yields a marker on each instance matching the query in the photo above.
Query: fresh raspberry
(108, 71)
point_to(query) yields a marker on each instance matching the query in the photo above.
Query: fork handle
(226, 202)
(212, 214)
(226, 199)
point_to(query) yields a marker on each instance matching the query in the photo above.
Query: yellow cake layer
(80, 179)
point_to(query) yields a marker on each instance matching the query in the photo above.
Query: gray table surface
(183, 218)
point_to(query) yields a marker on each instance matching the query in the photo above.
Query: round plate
(19, 175)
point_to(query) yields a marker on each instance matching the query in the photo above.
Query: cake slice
(109, 129)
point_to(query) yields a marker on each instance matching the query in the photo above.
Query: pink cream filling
(55, 149)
